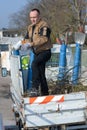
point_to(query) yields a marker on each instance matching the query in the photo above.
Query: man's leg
(45, 57)
(44, 86)
(38, 71)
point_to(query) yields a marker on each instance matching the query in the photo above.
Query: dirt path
(5, 101)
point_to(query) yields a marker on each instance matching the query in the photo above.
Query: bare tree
(59, 14)
(21, 19)
(79, 10)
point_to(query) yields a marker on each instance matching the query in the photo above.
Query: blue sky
(8, 7)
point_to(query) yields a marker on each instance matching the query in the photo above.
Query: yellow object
(25, 62)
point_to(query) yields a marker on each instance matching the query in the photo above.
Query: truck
(62, 111)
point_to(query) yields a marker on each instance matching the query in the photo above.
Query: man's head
(34, 15)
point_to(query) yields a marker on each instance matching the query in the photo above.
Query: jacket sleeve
(26, 38)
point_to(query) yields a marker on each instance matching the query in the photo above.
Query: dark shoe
(32, 92)
(44, 93)
(25, 94)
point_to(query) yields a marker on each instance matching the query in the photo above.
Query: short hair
(35, 9)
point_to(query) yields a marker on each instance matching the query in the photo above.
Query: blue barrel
(25, 61)
(26, 64)
(62, 61)
(77, 64)
(15, 52)
(30, 70)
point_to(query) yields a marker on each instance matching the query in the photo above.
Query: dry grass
(56, 88)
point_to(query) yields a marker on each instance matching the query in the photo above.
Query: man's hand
(26, 46)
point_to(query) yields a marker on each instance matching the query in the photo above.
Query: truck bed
(46, 111)
(52, 110)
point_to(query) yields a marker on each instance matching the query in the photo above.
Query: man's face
(34, 17)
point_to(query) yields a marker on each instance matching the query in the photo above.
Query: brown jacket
(40, 37)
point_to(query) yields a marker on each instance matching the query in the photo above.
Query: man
(38, 37)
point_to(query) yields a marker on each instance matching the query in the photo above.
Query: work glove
(25, 46)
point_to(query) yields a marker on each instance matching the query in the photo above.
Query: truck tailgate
(55, 109)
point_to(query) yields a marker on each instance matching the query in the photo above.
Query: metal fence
(52, 67)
